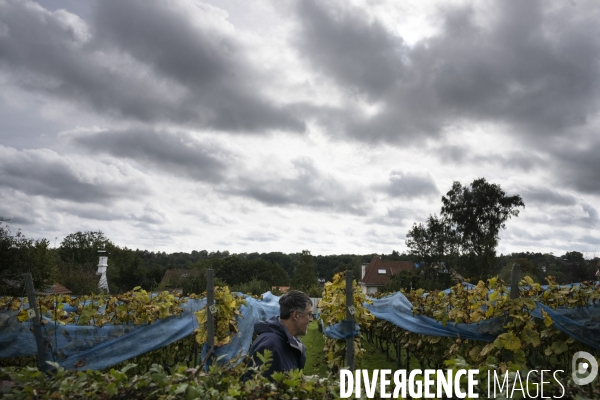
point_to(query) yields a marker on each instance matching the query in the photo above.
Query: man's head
(295, 311)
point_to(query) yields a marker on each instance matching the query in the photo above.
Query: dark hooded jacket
(288, 351)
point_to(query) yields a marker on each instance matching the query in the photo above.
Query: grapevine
(137, 307)
(228, 307)
(522, 341)
(333, 311)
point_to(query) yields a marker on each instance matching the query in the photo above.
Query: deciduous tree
(19, 255)
(304, 274)
(476, 214)
(81, 248)
(432, 242)
(468, 228)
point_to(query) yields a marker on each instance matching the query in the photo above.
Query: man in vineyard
(280, 334)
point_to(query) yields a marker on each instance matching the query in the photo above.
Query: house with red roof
(378, 272)
(173, 279)
(54, 289)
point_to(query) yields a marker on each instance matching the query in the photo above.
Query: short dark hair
(291, 301)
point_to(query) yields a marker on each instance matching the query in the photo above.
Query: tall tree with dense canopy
(468, 227)
(81, 248)
(477, 214)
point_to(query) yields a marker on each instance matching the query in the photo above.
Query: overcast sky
(283, 125)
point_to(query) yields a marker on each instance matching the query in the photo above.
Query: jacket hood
(270, 325)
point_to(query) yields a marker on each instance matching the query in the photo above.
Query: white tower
(102, 265)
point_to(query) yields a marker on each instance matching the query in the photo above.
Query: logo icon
(588, 367)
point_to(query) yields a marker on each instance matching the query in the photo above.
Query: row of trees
(74, 264)
(19, 254)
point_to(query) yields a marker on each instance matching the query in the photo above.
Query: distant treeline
(73, 265)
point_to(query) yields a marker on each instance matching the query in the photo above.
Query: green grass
(374, 358)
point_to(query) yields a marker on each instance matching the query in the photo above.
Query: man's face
(302, 321)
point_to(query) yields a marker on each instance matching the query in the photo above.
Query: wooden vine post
(37, 327)
(349, 321)
(514, 281)
(210, 307)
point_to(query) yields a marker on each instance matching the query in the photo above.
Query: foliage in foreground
(220, 382)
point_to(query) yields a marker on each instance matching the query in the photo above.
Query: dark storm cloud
(44, 173)
(409, 185)
(579, 167)
(360, 54)
(542, 195)
(146, 61)
(592, 214)
(531, 65)
(582, 215)
(179, 153)
(367, 62)
(200, 55)
(13, 218)
(309, 188)
(595, 241)
(51, 54)
(521, 160)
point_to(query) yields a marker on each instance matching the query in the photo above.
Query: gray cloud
(542, 195)
(140, 60)
(202, 56)
(592, 214)
(143, 214)
(409, 185)
(514, 160)
(180, 154)
(12, 217)
(309, 188)
(578, 167)
(593, 240)
(258, 236)
(358, 53)
(44, 173)
(581, 215)
(51, 53)
(530, 66)
(525, 160)
(453, 154)
(400, 217)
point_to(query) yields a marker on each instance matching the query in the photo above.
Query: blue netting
(97, 347)
(240, 344)
(581, 323)
(92, 347)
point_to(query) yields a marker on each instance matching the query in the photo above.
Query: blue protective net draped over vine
(581, 323)
(90, 347)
